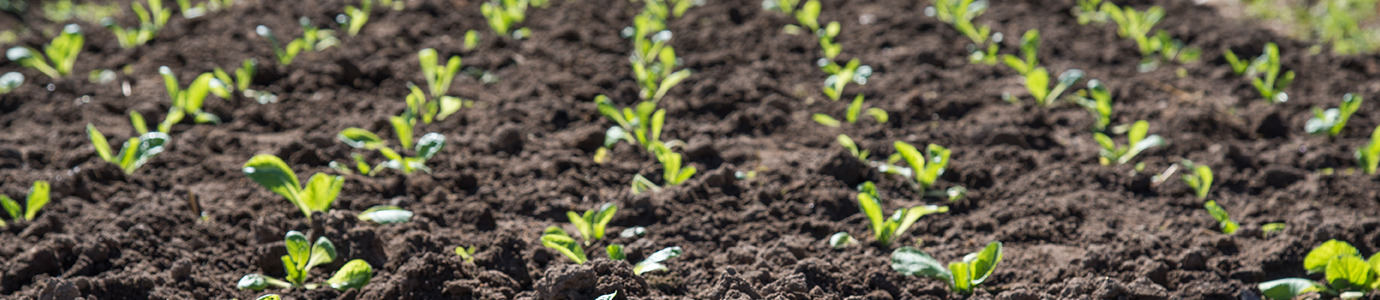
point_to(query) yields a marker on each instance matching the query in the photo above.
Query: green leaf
(556, 238)
(273, 174)
(608, 296)
(1349, 272)
(99, 142)
(1037, 82)
(38, 197)
(403, 127)
(269, 297)
(602, 218)
(586, 230)
(912, 157)
(170, 82)
(385, 214)
(359, 138)
(1141, 146)
(985, 262)
(962, 277)
(615, 252)
(873, 210)
(914, 213)
(449, 105)
(664, 254)
(137, 120)
(11, 207)
(252, 282)
(175, 115)
(1317, 259)
(1220, 214)
(1270, 228)
(321, 191)
(322, 252)
(877, 114)
(669, 82)
(826, 120)
(196, 93)
(913, 262)
(841, 240)
(429, 145)
(149, 145)
(854, 109)
(1288, 288)
(298, 250)
(1204, 175)
(353, 275)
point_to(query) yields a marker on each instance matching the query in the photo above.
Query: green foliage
(1368, 156)
(466, 253)
(504, 15)
(673, 173)
(191, 99)
(10, 81)
(1346, 25)
(385, 214)
(1272, 86)
(37, 198)
(1346, 273)
(1220, 214)
(195, 11)
(135, 152)
(438, 79)
(808, 15)
(1134, 24)
(1137, 143)
(1198, 177)
(275, 175)
(313, 39)
(885, 230)
(302, 257)
(61, 53)
(926, 171)
(556, 238)
(960, 14)
(355, 17)
(1037, 83)
(787, 7)
(1100, 105)
(1172, 49)
(426, 147)
(224, 85)
(852, 147)
(151, 21)
(355, 274)
(642, 126)
(653, 262)
(963, 276)
(1030, 44)
(1087, 12)
(592, 223)
(840, 76)
(842, 240)
(1332, 120)
(609, 296)
(471, 39)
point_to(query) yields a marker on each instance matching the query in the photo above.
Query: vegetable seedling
(302, 257)
(1243, 66)
(639, 125)
(10, 81)
(1172, 49)
(1332, 120)
(926, 171)
(652, 263)
(275, 175)
(555, 238)
(784, 6)
(61, 53)
(592, 223)
(355, 17)
(1223, 219)
(885, 230)
(1272, 85)
(842, 240)
(503, 15)
(151, 21)
(1137, 143)
(1024, 64)
(189, 100)
(1368, 156)
(808, 15)
(195, 11)
(1347, 274)
(466, 254)
(855, 109)
(1100, 105)
(1087, 12)
(438, 79)
(960, 14)
(1134, 24)
(224, 85)
(426, 147)
(135, 152)
(1037, 83)
(826, 40)
(840, 76)
(963, 276)
(37, 198)
(672, 171)
(1198, 177)
(642, 184)
(471, 39)
(313, 39)
(385, 214)
(852, 147)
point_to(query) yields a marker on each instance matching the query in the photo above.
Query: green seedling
(926, 171)
(655, 73)
(988, 56)
(592, 223)
(1030, 44)
(1172, 49)
(852, 147)
(609, 296)
(1100, 105)
(642, 184)
(1272, 86)
(842, 240)
(426, 147)
(466, 254)
(854, 110)
(1239, 66)
(37, 198)
(1223, 219)
(639, 125)
(224, 85)
(1134, 24)
(61, 53)
(1332, 120)
(1368, 156)
(135, 152)
(784, 6)
(1087, 12)
(673, 172)
(960, 14)
(885, 230)
(302, 257)
(652, 263)
(268, 297)
(275, 175)
(189, 100)
(555, 238)
(1347, 274)
(840, 76)
(438, 79)
(355, 17)
(195, 11)
(504, 15)
(10, 81)
(1272, 228)
(808, 15)
(1198, 177)
(1137, 142)
(313, 39)
(963, 276)
(1037, 82)
(826, 40)
(385, 214)
(471, 39)
(151, 21)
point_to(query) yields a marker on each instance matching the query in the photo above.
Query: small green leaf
(602, 219)
(359, 138)
(137, 120)
(269, 297)
(962, 277)
(1317, 259)
(841, 240)
(877, 114)
(985, 262)
(38, 197)
(584, 227)
(353, 275)
(322, 252)
(1220, 214)
(1349, 272)
(1288, 288)
(615, 252)
(826, 120)
(913, 262)
(403, 128)
(385, 214)
(429, 145)
(914, 213)
(298, 249)
(11, 207)
(99, 142)
(664, 254)
(556, 238)
(321, 191)
(275, 175)
(854, 109)
(608, 296)
(1037, 82)
(873, 210)
(252, 282)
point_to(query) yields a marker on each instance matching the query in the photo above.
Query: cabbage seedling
(188, 100)
(37, 198)
(885, 230)
(302, 257)
(10, 81)
(1037, 82)
(1347, 274)
(1100, 105)
(1220, 214)
(275, 175)
(135, 152)
(355, 17)
(1137, 143)
(1198, 177)
(1030, 44)
(555, 238)
(652, 263)
(1272, 86)
(1332, 120)
(592, 223)
(1368, 156)
(427, 147)
(926, 170)
(840, 76)
(503, 15)
(963, 276)
(61, 53)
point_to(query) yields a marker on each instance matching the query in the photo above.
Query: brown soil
(522, 157)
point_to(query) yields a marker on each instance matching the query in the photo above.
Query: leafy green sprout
(885, 230)
(1100, 105)
(852, 147)
(504, 15)
(1087, 12)
(592, 223)
(826, 40)
(652, 263)
(1137, 142)
(471, 39)
(301, 258)
(61, 53)
(784, 6)
(808, 15)
(1332, 120)
(37, 198)
(1037, 83)
(354, 18)
(1172, 49)
(1027, 61)
(151, 21)
(556, 238)
(224, 85)
(135, 152)
(639, 125)
(926, 171)
(842, 240)
(960, 14)
(1347, 274)
(963, 276)
(10, 81)
(673, 170)
(438, 79)
(195, 11)
(1198, 177)
(1272, 228)
(385, 214)
(609, 296)
(466, 254)
(642, 184)
(1368, 156)
(275, 175)
(654, 68)
(1272, 86)
(854, 110)
(426, 147)
(313, 39)
(1223, 219)
(1134, 24)
(840, 76)
(189, 100)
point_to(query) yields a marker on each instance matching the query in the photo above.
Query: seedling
(1223, 219)
(471, 39)
(963, 276)
(355, 17)
(189, 100)
(195, 11)
(1272, 228)
(151, 21)
(385, 214)
(1087, 11)
(1137, 143)
(1037, 82)
(10, 81)
(61, 53)
(1242, 66)
(135, 152)
(826, 40)
(1368, 156)
(438, 79)
(1272, 86)
(1198, 177)
(555, 238)
(1030, 44)
(852, 147)
(302, 257)
(1332, 120)
(640, 125)
(427, 147)
(655, 73)
(672, 171)
(642, 184)
(224, 85)
(808, 15)
(37, 198)
(1172, 49)
(313, 39)
(592, 223)
(652, 263)
(503, 15)
(784, 6)
(466, 253)
(926, 171)
(275, 175)
(885, 230)
(1100, 105)
(1347, 274)
(609, 296)
(840, 76)
(1135, 25)
(960, 14)
(842, 240)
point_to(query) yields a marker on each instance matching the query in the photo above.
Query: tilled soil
(522, 157)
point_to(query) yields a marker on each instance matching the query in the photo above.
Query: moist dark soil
(523, 156)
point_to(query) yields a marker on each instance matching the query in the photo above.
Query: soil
(522, 157)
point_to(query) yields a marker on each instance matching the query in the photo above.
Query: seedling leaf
(38, 197)
(385, 214)
(359, 138)
(1288, 288)
(353, 275)
(913, 262)
(555, 238)
(1318, 258)
(985, 262)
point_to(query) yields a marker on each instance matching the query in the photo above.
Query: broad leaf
(1349, 272)
(985, 262)
(914, 213)
(615, 252)
(353, 275)
(602, 219)
(150, 144)
(385, 214)
(664, 254)
(429, 145)
(1317, 259)
(252, 282)
(556, 238)
(321, 191)
(275, 175)
(322, 252)
(873, 210)
(298, 249)
(1288, 288)
(962, 277)
(98, 140)
(11, 207)
(913, 262)
(583, 226)
(359, 138)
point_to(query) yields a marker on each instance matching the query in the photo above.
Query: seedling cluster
(1264, 72)
(275, 175)
(1332, 120)
(313, 39)
(1347, 274)
(885, 230)
(963, 276)
(301, 258)
(37, 198)
(1137, 142)
(57, 58)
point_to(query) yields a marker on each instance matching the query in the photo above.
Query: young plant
(840, 76)
(10, 81)
(1332, 120)
(151, 21)
(1100, 105)
(1368, 156)
(224, 85)
(1348, 275)
(61, 53)
(963, 276)
(555, 238)
(826, 40)
(471, 39)
(592, 223)
(960, 14)
(652, 263)
(1037, 82)
(195, 11)
(427, 147)
(1087, 11)
(1223, 219)
(503, 15)
(135, 152)
(656, 73)
(842, 240)
(313, 39)
(1172, 49)
(301, 258)
(1030, 44)
(37, 198)
(275, 175)
(852, 147)
(189, 100)
(808, 15)
(1137, 142)
(854, 110)
(926, 171)
(1198, 177)
(466, 254)
(1272, 86)
(438, 79)
(784, 6)
(672, 171)
(1242, 66)
(1135, 25)
(385, 214)
(639, 125)
(355, 17)
(885, 230)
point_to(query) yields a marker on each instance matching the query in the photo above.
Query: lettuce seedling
(1348, 275)
(1332, 120)
(1100, 105)
(592, 223)
(302, 257)
(852, 147)
(1137, 142)
(503, 15)
(840, 76)
(1272, 86)
(639, 125)
(1030, 44)
(854, 110)
(926, 171)
(385, 214)
(1037, 82)
(135, 152)
(555, 238)
(189, 100)
(10, 81)
(275, 175)
(313, 39)
(355, 17)
(37, 198)
(426, 147)
(1223, 219)
(1198, 177)
(1368, 156)
(652, 263)
(61, 53)
(963, 276)
(438, 79)
(885, 230)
